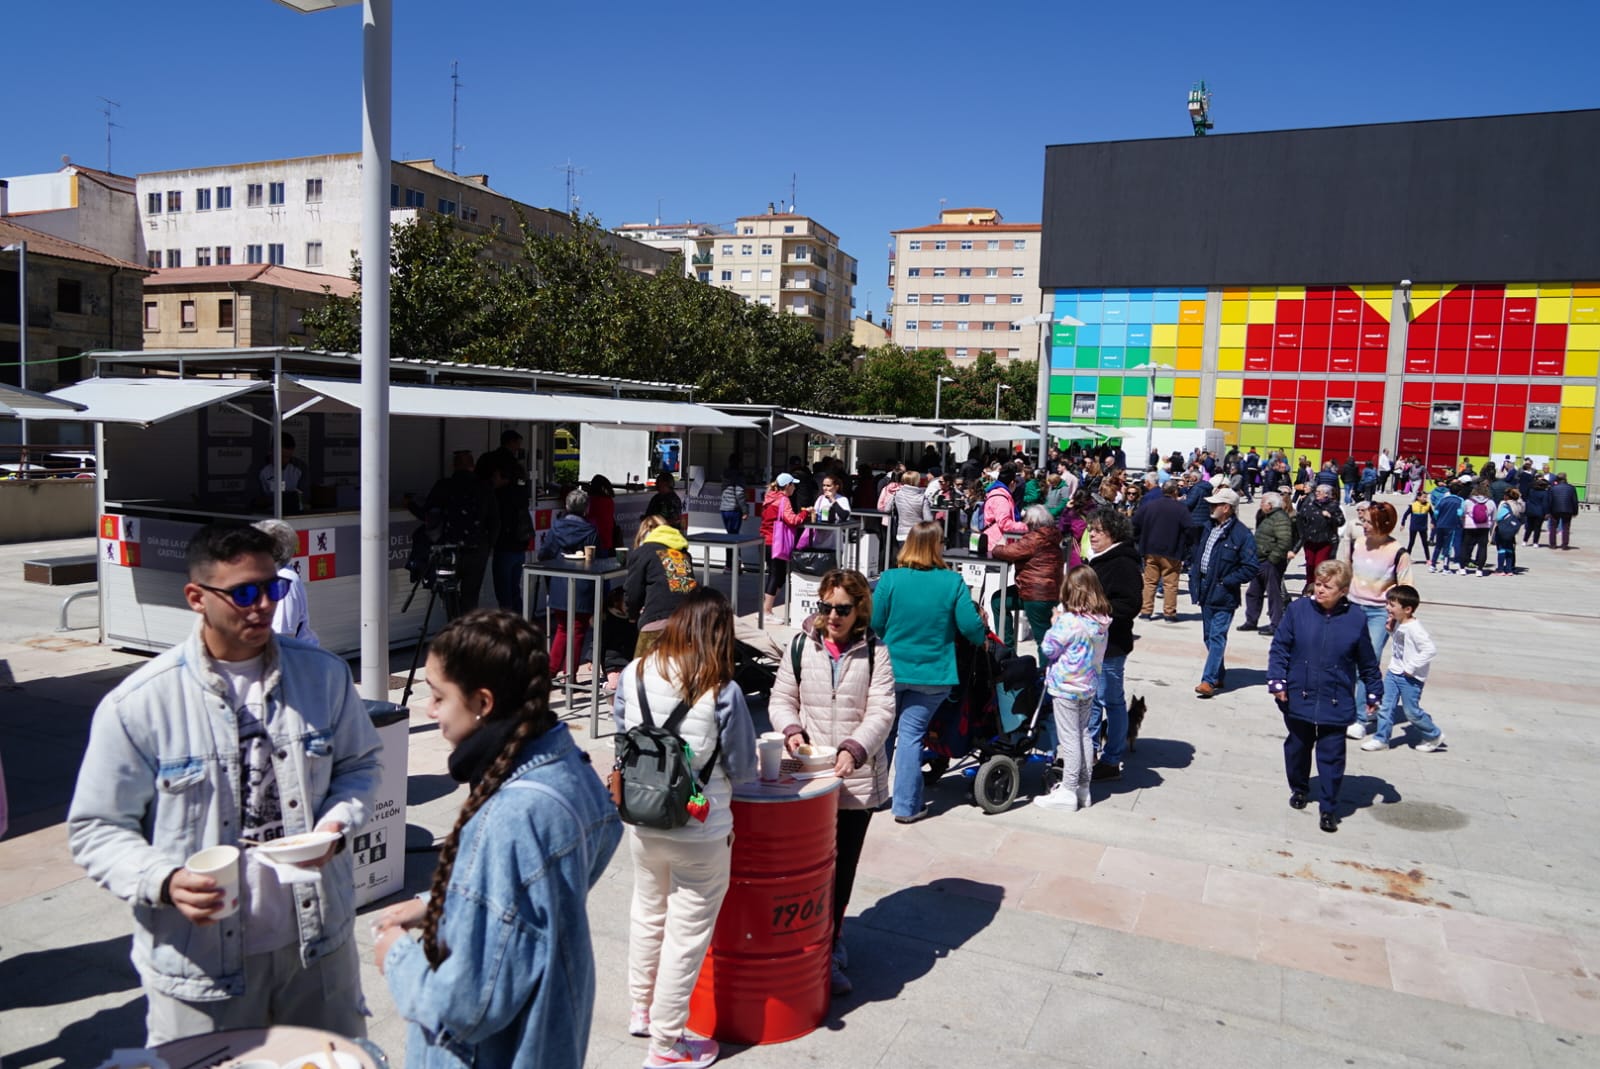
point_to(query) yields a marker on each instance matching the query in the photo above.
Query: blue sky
(880, 110)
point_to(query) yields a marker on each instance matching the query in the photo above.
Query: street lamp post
(376, 80)
(997, 388)
(1042, 388)
(21, 249)
(938, 392)
(1150, 408)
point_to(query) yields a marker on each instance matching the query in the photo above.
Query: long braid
(496, 650)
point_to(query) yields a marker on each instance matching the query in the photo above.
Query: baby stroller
(993, 718)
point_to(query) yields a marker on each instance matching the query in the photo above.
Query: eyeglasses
(824, 608)
(247, 594)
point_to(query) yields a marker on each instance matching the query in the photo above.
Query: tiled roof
(968, 228)
(42, 244)
(262, 274)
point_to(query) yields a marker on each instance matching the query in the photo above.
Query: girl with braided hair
(681, 875)
(503, 972)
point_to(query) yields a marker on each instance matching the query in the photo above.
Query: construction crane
(1200, 108)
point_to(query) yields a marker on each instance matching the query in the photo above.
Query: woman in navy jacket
(1318, 652)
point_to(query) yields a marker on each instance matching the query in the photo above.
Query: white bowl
(323, 1060)
(816, 758)
(307, 846)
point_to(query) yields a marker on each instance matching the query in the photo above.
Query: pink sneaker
(686, 1052)
(639, 1020)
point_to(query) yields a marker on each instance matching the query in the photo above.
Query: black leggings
(850, 831)
(777, 572)
(1415, 531)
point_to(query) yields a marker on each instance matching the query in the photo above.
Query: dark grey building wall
(1501, 199)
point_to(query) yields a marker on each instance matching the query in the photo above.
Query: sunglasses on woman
(246, 595)
(824, 608)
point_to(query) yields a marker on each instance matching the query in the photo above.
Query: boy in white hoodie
(1413, 652)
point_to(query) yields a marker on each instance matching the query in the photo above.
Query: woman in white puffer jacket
(844, 698)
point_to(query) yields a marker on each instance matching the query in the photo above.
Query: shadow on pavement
(1363, 792)
(1139, 767)
(60, 975)
(423, 787)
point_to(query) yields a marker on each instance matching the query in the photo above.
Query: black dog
(1136, 711)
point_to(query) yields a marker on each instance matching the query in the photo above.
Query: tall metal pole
(22, 342)
(1042, 401)
(376, 79)
(1150, 415)
(938, 390)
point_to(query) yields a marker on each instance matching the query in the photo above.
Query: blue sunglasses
(246, 595)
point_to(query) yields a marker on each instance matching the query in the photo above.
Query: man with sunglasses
(236, 735)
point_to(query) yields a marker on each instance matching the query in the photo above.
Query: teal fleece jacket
(918, 613)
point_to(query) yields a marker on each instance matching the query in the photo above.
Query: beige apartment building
(788, 262)
(965, 283)
(236, 305)
(692, 241)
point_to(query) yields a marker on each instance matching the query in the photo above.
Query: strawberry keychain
(697, 806)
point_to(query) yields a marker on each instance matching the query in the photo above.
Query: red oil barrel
(766, 976)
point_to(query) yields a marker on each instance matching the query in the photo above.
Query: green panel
(1088, 356)
(1064, 335)
(1060, 383)
(1090, 384)
(1060, 407)
(1111, 386)
(1164, 355)
(1165, 386)
(1135, 386)
(1577, 470)
(1186, 409)
(1136, 357)
(1505, 442)
(1542, 444)
(1109, 409)
(1280, 435)
(1186, 424)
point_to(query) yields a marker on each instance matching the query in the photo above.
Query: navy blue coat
(1195, 499)
(1233, 562)
(569, 534)
(1316, 658)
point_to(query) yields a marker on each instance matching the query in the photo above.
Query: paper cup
(769, 757)
(221, 863)
(588, 555)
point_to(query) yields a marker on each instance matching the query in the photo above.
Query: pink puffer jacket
(856, 715)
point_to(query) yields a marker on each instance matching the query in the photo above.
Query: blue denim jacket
(160, 781)
(518, 986)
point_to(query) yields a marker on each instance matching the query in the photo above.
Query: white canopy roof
(1085, 430)
(996, 432)
(477, 403)
(13, 398)
(842, 427)
(139, 401)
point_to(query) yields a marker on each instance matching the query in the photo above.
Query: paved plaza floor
(1189, 918)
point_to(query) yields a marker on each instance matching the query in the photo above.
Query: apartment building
(692, 241)
(79, 204)
(305, 213)
(234, 305)
(965, 283)
(790, 263)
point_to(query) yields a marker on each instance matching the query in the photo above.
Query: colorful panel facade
(1324, 371)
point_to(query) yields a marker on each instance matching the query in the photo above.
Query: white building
(692, 241)
(79, 204)
(964, 284)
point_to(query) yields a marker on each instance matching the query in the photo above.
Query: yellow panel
(1231, 293)
(1229, 335)
(1133, 408)
(1379, 295)
(1235, 312)
(1188, 360)
(1230, 431)
(1186, 408)
(1433, 293)
(1585, 310)
(1576, 420)
(1522, 290)
(1280, 435)
(1192, 335)
(1263, 293)
(1555, 289)
(1568, 446)
(1230, 387)
(1583, 365)
(1226, 410)
(1576, 396)
(1165, 354)
(1264, 311)
(1185, 386)
(1291, 293)
(1312, 455)
(1164, 335)
(1586, 289)
(1553, 310)
(1583, 336)
(1233, 360)
(1191, 311)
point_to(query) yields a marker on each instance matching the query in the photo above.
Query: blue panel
(1164, 311)
(1140, 311)
(1089, 311)
(1089, 333)
(1063, 356)
(1138, 336)
(1191, 292)
(1062, 301)
(1113, 333)
(1111, 357)
(1115, 295)
(1141, 294)
(1169, 295)
(1085, 384)
(1116, 312)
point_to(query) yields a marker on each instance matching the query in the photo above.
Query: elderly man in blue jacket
(1318, 653)
(1224, 559)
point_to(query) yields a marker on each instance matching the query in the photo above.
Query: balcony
(800, 282)
(701, 259)
(812, 311)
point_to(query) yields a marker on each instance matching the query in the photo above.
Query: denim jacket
(517, 988)
(160, 781)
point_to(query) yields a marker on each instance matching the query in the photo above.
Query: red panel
(1455, 308)
(1308, 436)
(1519, 309)
(1345, 336)
(1448, 391)
(1336, 439)
(1285, 360)
(1374, 335)
(1365, 440)
(1348, 308)
(1482, 363)
(1286, 336)
(1322, 293)
(1474, 443)
(1309, 412)
(1258, 359)
(1452, 361)
(1511, 394)
(1423, 336)
(1544, 395)
(1419, 363)
(1291, 313)
(1510, 417)
(1416, 391)
(1341, 388)
(1320, 309)
(1443, 444)
(1413, 441)
(1488, 307)
(1551, 337)
(1280, 411)
(1314, 336)
(1372, 362)
(1477, 417)
(1480, 393)
(1313, 389)
(1548, 363)
(1370, 390)
(1485, 336)
(1516, 363)
(1258, 336)
(1257, 387)
(1454, 336)
(1516, 336)
(1342, 361)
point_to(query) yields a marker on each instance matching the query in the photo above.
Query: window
(988, 324)
(744, 275)
(313, 191)
(274, 192)
(963, 298)
(937, 324)
(746, 250)
(727, 250)
(913, 298)
(174, 257)
(939, 246)
(788, 228)
(202, 256)
(938, 298)
(225, 314)
(394, 194)
(447, 206)
(962, 324)
(993, 245)
(1160, 406)
(914, 246)
(727, 276)
(313, 254)
(174, 200)
(704, 276)
(748, 230)
(802, 252)
(186, 317)
(252, 195)
(252, 254)
(152, 259)
(913, 272)
(498, 222)
(469, 213)
(416, 199)
(1018, 272)
(765, 298)
(961, 354)
(275, 254)
(766, 249)
(966, 246)
(69, 296)
(991, 272)
(938, 272)
(202, 200)
(989, 298)
(766, 274)
(911, 324)
(152, 203)
(1019, 244)
(1016, 298)
(224, 198)
(1015, 327)
(152, 316)
(965, 272)
(224, 255)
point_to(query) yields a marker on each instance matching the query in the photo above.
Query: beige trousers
(1160, 570)
(678, 888)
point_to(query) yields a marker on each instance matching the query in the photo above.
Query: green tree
(892, 381)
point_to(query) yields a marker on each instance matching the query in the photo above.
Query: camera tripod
(444, 585)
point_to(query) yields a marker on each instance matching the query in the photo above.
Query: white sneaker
(639, 1020)
(1430, 745)
(1063, 798)
(686, 1052)
(1358, 730)
(1375, 743)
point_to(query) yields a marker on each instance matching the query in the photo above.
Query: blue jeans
(1110, 705)
(1405, 691)
(507, 573)
(1378, 634)
(1215, 623)
(914, 711)
(732, 520)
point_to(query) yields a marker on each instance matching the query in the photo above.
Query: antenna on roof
(106, 111)
(572, 174)
(455, 99)
(1200, 108)
(794, 181)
